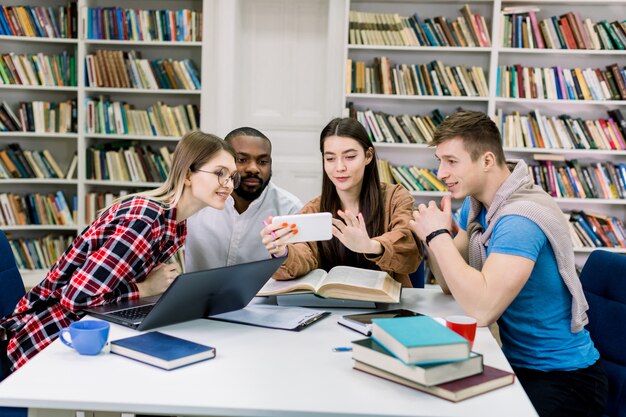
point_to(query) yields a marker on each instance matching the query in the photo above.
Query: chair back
(418, 278)
(604, 282)
(11, 290)
(11, 284)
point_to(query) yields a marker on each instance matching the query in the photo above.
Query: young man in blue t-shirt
(512, 262)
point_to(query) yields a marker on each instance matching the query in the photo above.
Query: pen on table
(342, 349)
(265, 222)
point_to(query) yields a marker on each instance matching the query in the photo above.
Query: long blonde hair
(193, 150)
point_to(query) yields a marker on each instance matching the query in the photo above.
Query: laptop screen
(203, 293)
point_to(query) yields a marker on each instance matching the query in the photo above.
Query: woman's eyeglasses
(223, 178)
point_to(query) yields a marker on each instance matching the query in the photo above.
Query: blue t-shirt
(535, 327)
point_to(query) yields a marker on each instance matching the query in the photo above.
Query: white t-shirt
(217, 238)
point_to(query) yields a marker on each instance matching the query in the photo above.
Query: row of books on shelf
(115, 117)
(120, 23)
(422, 354)
(18, 163)
(521, 28)
(594, 230)
(518, 131)
(38, 69)
(96, 201)
(569, 179)
(468, 30)
(587, 229)
(432, 79)
(411, 177)
(124, 162)
(558, 83)
(39, 253)
(382, 127)
(42, 253)
(562, 132)
(36, 209)
(563, 179)
(39, 116)
(120, 69)
(39, 21)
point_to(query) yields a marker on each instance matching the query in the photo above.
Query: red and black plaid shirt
(102, 265)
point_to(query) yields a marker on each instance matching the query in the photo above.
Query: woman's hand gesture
(353, 233)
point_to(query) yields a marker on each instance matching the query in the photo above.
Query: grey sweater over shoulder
(519, 196)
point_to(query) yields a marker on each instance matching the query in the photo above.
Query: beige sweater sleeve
(402, 252)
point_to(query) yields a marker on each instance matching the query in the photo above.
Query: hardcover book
(162, 350)
(419, 339)
(455, 391)
(369, 352)
(340, 282)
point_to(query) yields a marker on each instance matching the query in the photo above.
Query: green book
(419, 339)
(72, 80)
(612, 35)
(3, 74)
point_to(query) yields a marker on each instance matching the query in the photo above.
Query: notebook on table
(193, 295)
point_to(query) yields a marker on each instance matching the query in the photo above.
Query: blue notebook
(419, 339)
(162, 350)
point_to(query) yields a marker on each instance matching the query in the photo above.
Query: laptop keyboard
(135, 314)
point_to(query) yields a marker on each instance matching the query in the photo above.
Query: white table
(257, 372)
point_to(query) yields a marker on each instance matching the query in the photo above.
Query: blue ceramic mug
(87, 337)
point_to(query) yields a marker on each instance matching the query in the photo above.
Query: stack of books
(422, 354)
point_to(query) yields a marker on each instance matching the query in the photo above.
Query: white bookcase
(224, 101)
(63, 146)
(489, 59)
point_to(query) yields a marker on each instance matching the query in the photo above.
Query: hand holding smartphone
(311, 227)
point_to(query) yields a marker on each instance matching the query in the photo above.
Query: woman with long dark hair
(370, 219)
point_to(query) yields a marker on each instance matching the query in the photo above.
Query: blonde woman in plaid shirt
(123, 254)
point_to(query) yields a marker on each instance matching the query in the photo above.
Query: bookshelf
(490, 58)
(63, 146)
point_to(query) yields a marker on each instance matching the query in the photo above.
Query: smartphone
(311, 227)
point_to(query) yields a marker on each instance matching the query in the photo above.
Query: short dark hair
(245, 131)
(478, 132)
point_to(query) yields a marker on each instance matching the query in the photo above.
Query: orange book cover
(599, 230)
(571, 19)
(539, 141)
(8, 12)
(568, 36)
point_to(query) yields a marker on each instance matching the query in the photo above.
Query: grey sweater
(519, 196)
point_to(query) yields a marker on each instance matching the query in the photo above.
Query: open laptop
(193, 295)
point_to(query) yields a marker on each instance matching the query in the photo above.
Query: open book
(344, 282)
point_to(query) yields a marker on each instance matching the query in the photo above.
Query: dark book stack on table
(422, 354)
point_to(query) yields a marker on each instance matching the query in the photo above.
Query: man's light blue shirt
(535, 327)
